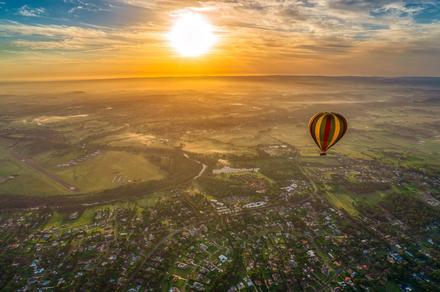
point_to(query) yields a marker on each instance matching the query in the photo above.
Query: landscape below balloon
(215, 184)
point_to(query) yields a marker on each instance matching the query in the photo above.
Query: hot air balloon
(327, 129)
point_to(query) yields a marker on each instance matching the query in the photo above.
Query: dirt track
(32, 164)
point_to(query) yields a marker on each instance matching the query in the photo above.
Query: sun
(192, 35)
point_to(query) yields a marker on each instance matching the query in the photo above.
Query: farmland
(198, 183)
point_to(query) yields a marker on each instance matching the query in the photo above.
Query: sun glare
(192, 35)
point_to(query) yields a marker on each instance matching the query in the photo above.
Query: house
(203, 247)
(223, 258)
(394, 257)
(198, 286)
(406, 288)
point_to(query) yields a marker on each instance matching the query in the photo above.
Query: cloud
(16, 29)
(74, 38)
(88, 6)
(265, 35)
(360, 5)
(26, 10)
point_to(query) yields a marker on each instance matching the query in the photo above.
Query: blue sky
(349, 37)
(74, 12)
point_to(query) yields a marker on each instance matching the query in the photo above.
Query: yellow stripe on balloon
(337, 130)
(313, 118)
(317, 130)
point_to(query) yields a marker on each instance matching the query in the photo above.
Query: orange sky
(121, 38)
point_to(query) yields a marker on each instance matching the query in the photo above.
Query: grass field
(343, 201)
(26, 181)
(206, 144)
(108, 170)
(136, 140)
(61, 219)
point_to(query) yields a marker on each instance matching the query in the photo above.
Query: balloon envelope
(327, 129)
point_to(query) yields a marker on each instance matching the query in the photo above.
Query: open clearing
(112, 168)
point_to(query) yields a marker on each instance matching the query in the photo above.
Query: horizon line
(31, 80)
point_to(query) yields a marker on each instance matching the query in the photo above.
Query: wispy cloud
(266, 36)
(61, 37)
(26, 10)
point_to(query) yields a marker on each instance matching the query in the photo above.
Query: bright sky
(65, 39)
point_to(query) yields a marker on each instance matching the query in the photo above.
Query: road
(204, 166)
(152, 251)
(32, 164)
(170, 236)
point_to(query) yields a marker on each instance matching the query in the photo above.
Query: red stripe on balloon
(328, 123)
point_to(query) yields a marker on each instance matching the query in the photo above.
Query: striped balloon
(327, 129)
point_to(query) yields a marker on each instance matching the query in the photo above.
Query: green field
(138, 125)
(26, 181)
(108, 170)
